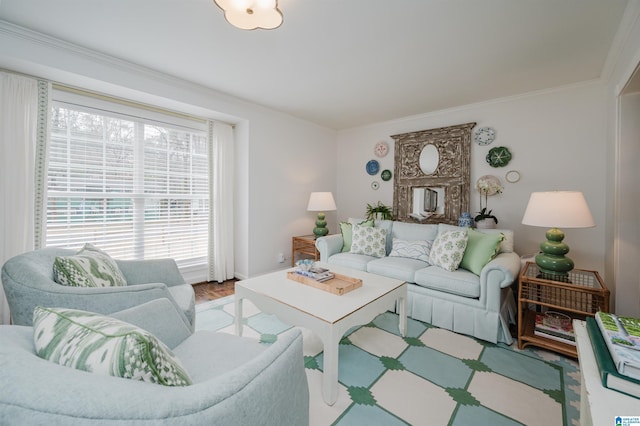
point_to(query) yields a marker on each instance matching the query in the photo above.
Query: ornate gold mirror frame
(441, 192)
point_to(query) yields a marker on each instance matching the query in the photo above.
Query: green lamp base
(552, 261)
(321, 226)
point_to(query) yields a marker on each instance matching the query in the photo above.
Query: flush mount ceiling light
(251, 14)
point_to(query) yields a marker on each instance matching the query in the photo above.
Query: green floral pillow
(90, 267)
(448, 249)
(104, 345)
(346, 228)
(368, 240)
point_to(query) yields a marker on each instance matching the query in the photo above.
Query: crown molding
(62, 47)
(630, 19)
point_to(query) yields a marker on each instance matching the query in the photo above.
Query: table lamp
(321, 202)
(557, 209)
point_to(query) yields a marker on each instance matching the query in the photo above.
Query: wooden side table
(582, 294)
(304, 245)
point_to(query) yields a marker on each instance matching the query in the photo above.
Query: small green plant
(379, 211)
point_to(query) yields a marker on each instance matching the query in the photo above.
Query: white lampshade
(558, 209)
(321, 202)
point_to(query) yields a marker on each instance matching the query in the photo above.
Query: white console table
(598, 405)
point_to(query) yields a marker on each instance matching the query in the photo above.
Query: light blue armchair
(236, 380)
(28, 282)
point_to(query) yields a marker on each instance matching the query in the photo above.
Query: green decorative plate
(498, 156)
(386, 175)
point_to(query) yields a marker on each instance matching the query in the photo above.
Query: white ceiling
(345, 63)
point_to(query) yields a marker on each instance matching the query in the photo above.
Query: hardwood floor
(213, 290)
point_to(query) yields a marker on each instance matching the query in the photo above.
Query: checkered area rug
(430, 377)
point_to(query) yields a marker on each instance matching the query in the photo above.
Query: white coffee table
(326, 314)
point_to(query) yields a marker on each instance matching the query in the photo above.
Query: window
(134, 182)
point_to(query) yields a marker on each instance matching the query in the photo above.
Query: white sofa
(477, 305)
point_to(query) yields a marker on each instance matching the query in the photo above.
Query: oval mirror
(429, 158)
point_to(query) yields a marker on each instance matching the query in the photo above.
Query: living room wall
(558, 141)
(279, 159)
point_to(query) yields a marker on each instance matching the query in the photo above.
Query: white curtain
(18, 128)
(220, 202)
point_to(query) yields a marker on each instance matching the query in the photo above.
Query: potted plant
(379, 211)
(488, 185)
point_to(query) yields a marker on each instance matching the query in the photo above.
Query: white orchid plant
(487, 187)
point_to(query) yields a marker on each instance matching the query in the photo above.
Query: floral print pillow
(448, 249)
(369, 241)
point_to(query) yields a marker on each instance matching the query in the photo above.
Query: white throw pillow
(419, 249)
(448, 249)
(369, 241)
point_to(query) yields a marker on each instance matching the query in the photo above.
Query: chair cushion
(419, 249)
(481, 248)
(90, 267)
(369, 241)
(448, 249)
(104, 345)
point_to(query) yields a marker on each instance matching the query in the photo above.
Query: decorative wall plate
(498, 156)
(375, 185)
(373, 167)
(512, 176)
(385, 175)
(484, 135)
(381, 149)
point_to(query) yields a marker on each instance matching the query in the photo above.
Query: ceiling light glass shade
(554, 210)
(251, 14)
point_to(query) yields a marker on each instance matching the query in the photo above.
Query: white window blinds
(134, 182)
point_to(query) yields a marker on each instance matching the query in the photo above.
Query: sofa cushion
(418, 249)
(481, 248)
(448, 249)
(460, 282)
(350, 260)
(415, 231)
(90, 267)
(104, 345)
(346, 229)
(400, 268)
(369, 241)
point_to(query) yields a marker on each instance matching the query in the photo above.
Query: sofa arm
(508, 264)
(329, 245)
(501, 272)
(151, 271)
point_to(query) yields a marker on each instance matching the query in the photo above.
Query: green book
(608, 373)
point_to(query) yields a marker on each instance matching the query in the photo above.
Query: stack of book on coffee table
(315, 272)
(616, 346)
(555, 326)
